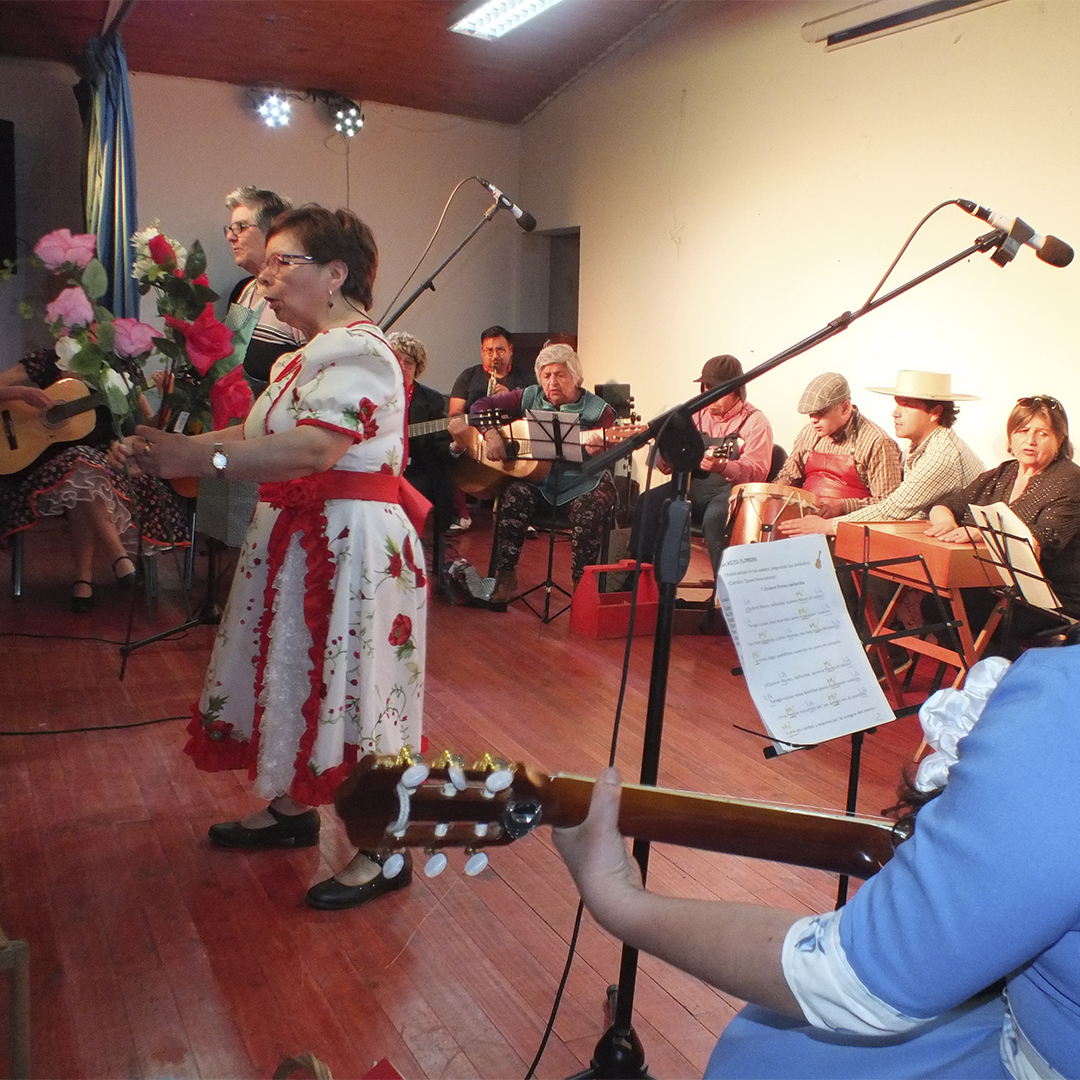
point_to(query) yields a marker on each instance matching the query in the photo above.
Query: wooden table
(951, 567)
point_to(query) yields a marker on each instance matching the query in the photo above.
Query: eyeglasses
(1040, 399)
(234, 230)
(278, 261)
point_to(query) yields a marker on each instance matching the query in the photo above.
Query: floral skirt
(320, 654)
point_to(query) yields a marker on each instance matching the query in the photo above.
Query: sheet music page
(805, 668)
(1010, 543)
(541, 424)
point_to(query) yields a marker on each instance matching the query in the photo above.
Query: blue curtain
(110, 167)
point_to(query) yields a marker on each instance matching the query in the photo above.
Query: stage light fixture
(275, 109)
(345, 114)
(492, 19)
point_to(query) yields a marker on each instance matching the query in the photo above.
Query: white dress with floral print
(320, 654)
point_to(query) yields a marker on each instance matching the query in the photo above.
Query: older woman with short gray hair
(588, 500)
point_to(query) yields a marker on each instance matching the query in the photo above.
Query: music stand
(1011, 550)
(556, 437)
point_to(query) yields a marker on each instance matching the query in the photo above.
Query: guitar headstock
(727, 448)
(489, 418)
(394, 802)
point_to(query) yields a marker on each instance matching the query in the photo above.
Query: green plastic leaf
(95, 281)
(196, 262)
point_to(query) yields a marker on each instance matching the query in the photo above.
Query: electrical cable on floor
(62, 637)
(102, 727)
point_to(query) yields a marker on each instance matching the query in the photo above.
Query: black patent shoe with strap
(288, 831)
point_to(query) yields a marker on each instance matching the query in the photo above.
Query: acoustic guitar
(725, 448)
(27, 432)
(480, 475)
(389, 803)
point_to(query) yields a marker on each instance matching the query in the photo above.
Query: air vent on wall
(881, 17)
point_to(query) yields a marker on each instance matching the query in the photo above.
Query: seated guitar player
(66, 471)
(588, 499)
(738, 450)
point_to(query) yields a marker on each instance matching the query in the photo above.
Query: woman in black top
(1040, 483)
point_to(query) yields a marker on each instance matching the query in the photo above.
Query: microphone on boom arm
(523, 217)
(1047, 248)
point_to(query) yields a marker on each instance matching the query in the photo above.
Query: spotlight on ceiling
(274, 108)
(345, 114)
(493, 18)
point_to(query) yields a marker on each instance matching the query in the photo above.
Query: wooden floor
(154, 955)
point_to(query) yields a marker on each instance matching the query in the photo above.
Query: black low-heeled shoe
(125, 581)
(331, 895)
(288, 831)
(81, 605)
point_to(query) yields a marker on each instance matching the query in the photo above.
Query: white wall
(198, 140)
(737, 188)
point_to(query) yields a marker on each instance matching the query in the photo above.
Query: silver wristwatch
(219, 460)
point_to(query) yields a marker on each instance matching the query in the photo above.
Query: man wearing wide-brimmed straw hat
(938, 461)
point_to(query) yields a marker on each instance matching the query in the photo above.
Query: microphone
(1048, 248)
(524, 218)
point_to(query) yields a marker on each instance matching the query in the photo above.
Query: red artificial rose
(161, 251)
(202, 279)
(230, 398)
(208, 340)
(401, 631)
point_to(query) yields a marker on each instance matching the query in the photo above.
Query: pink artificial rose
(230, 398)
(161, 251)
(208, 340)
(72, 307)
(133, 338)
(62, 248)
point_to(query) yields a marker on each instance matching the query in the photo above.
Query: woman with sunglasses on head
(320, 655)
(1041, 484)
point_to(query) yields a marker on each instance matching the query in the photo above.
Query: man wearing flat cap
(938, 461)
(847, 461)
(739, 442)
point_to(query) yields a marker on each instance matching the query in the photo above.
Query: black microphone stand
(429, 282)
(619, 1053)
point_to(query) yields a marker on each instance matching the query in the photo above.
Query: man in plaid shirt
(938, 461)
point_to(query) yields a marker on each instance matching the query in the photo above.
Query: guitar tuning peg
(498, 781)
(476, 863)
(393, 865)
(436, 863)
(454, 765)
(414, 775)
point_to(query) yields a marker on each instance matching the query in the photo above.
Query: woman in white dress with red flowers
(320, 655)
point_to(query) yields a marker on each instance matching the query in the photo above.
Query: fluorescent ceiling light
(492, 19)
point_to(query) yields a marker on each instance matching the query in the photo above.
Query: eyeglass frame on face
(276, 261)
(237, 229)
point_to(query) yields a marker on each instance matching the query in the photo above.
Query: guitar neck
(428, 427)
(466, 813)
(820, 840)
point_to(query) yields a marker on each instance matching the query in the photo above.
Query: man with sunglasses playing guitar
(738, 450)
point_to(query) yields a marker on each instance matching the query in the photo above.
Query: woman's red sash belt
(309, 492)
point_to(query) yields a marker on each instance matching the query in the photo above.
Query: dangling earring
(330, 298)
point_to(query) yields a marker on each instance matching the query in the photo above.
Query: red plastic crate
(607, 615)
